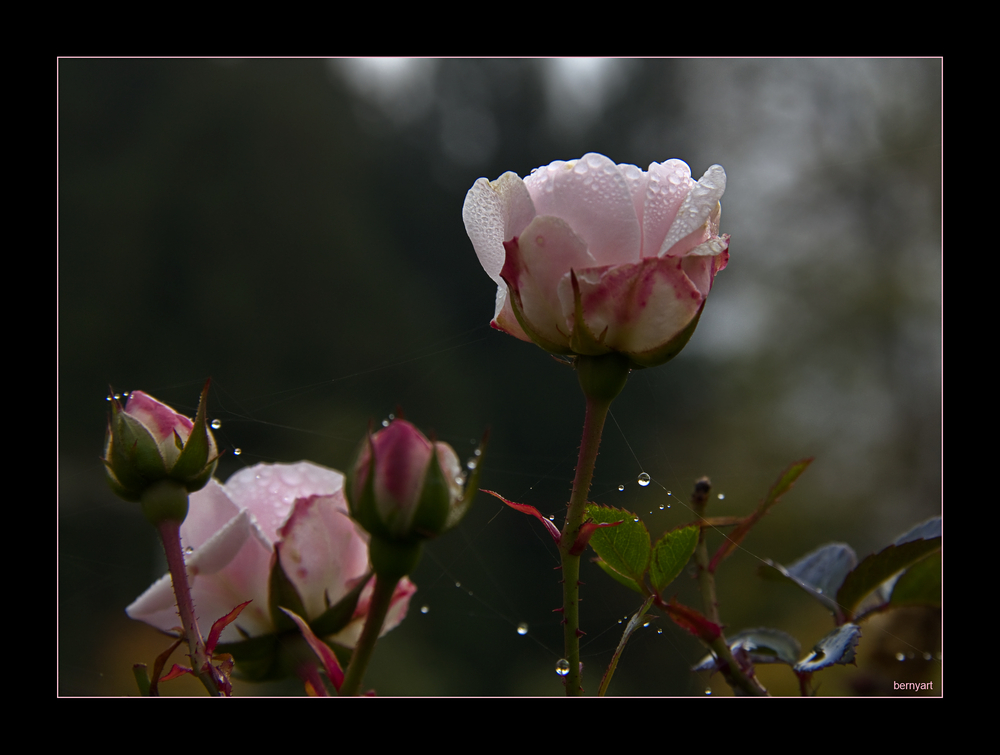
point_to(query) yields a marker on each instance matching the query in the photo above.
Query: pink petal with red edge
(157, 417)
(402, 454)
(668, 184)
(592, 195)
(321, 551)
(398, 606)
(695, 213)
(530, 511)
(639, 306)
(322, 651)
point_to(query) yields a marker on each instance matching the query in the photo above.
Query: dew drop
(636, 519)
(662, 507)
(458, 584)
(237, 451)
(708, 690)
(669, 493)
(659, 631)
(668, 505)
(646, 624)
(522, 629)
(216, 424)
(722, 496)
(562, 667)
(460, 480)
(900, 657)
(392, 417)
(621, 488)
(471, 464)
(477, 452)
(927, 656)
(385, 423)
(552, 518)
(424, 609)
(189, 550)
(117, 396)
(107, 398)
(643, 479)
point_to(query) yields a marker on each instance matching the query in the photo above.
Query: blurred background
(293, 229)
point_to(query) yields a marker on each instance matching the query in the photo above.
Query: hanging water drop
(708, 690)
(669, 493)
(659, 631)
(662, 507)
(522, 629)
(237, 451)
(562, 667)
(424, 609)
(477, 452)
(189, 550)
(385, 423)
(636, 519)
(471, 464)
(722, 496)
(458, 584)
(216, 424)
(643, 479)
(668, 505)
(927, 656)
(900, 657)
(621, 488)
(117, 396)
(392, 417)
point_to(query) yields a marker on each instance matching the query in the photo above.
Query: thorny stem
(735, 676)
(377, 610)
(170, 534)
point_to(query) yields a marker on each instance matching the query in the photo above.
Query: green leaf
(819, 573)
(624, 548)
(878, 567)
(762, 645)
(920, 585)
(627, 581)
(837, 647)
(670, 554)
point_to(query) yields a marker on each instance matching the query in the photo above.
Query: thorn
(563, 621)
(580, 633)
(562, 582)
(557, 610)
(557, 567)
(578, 582)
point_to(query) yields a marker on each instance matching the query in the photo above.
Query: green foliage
(623, 549)
(920, 585)
(878, 567)
(670, 554)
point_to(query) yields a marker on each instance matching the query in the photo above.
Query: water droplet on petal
(522, 629)
(216, 424)
(424, 609)
(562, 667)
(643, 479)
(189, 550)
(237, 451)
(621, 488)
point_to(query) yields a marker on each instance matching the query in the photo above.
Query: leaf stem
(377, 610)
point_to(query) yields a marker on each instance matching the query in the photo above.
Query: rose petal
(321, 551)
(592, 195)
(349, 635)
(699, 205)
(669, 184)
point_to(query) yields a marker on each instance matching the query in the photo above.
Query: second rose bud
(405, 489)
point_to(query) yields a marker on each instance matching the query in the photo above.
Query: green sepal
(459, 509)
(670, 555)
(338, 616)
(139, 451)
(256, 658)
(282, 593)
(194, 468)
(164, 501)
(361, 503)
(393, 560)
(431, 512)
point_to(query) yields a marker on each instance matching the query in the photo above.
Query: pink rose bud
(148, 443)
(404, 488)
(591, 258)
(278, 535)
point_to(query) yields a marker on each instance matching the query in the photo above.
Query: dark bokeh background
(293, 229)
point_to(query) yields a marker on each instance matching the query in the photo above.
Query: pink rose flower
(590, 257)
(292, 515)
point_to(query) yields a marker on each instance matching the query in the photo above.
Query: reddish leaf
(321, 649)
(689, 619)
(175, 672)
(531, 511)
(218, 626)
(586, 532)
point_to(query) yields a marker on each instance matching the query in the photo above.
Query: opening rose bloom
(590, 257)
(236, 535)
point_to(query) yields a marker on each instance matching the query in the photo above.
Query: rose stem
(170, 533)
(735, 676)
(377, 610)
